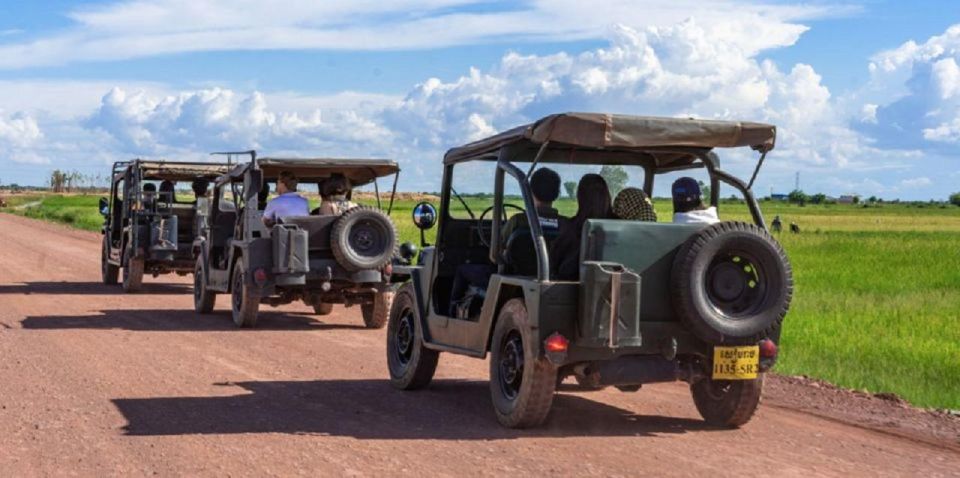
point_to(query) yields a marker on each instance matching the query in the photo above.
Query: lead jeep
(655, 302)
(320, 260)
(148, 232)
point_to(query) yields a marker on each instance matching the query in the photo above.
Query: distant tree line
(75, 181)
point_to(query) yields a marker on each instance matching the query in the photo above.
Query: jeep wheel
(732, 283)
(109, 273)
(411, 364)
(323, 308)
(727, 403)
(132, 273)
(521, 384)
(203, 298)
(363, 238)
(376, 314)
(246, 300)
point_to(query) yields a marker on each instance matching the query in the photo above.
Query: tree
(872, 199)
(704, 191)
(856, 199)
(955, 199)
(571, 187)
(818, 198)
(616, 178)
(797, 197)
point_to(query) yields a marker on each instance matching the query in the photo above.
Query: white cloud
(916, 182)
(138, 28)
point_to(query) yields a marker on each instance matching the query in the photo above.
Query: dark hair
(288, 179)
(336, 185)
(593, 202)
(686, 195)
(149, 188)
(199, 187)
(545, 185)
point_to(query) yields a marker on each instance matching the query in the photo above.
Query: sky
(865, 94)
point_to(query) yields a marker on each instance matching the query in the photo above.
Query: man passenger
(288, 202)
(688, 207)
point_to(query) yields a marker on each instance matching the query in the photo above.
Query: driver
(545, 186)
(288, 202)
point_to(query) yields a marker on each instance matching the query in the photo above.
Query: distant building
(779, 197)
(846, 199)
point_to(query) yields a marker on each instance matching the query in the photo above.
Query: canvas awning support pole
(536, 159)
(757, 170)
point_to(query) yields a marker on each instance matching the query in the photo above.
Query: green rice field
(877, 299)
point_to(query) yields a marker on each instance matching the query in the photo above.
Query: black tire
(376, 314)
(109, 273)
(727, 403)
(245, 302)
(132, 272)
(203, 299)
(363, 238)
(411, 364)
(732, 284)
(323, 308)
(522, 385)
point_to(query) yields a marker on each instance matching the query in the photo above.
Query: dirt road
(94, 382)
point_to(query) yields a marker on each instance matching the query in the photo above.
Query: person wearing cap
(288, 202)
(333, 195)
(688, 207)
(633, 204)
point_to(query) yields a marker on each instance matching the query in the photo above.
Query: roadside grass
(877, 296)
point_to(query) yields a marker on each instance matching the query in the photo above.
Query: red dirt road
(94, 382)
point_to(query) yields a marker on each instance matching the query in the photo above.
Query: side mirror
(104, 207)
(424, 216)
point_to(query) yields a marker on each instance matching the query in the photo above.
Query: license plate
(736, 363)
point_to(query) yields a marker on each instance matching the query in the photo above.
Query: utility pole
(796, 185)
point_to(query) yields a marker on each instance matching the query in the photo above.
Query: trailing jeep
(654, 302)
(319, 259)
(146, 228)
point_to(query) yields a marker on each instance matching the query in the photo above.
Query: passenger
(288, 202)
(593, 202)
(167, 191)
(333, 193)
(688, 207)
(199, 187)
(633, 204)
(545, 187)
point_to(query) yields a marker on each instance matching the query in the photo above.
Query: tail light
(388, 270)
(260, 276)
(556, 343)
(768, 349)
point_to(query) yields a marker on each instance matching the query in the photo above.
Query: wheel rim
(368, 238)
(736, 285)
(511, 365)
(405, 337)
(197, 284)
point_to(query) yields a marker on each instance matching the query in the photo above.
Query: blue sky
(866, 94)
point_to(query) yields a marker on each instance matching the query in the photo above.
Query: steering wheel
(481, 227)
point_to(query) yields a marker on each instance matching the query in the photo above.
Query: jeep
(654, 302)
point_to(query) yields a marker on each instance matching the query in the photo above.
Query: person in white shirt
(688, 207)
(288, 202)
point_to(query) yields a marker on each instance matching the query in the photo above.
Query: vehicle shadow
(371, 409)
(90, 288)
(153, 320)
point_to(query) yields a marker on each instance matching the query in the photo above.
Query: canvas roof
(657, 139)
(358, 171)
(179, 170)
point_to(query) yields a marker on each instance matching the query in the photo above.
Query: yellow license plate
(736, 363)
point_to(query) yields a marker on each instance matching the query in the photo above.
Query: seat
(520, 253)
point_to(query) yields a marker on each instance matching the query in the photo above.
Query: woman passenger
(593, 202)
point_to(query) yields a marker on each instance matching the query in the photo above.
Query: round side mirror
(424, 215)
(104, 207)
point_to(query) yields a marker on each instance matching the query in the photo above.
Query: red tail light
(388, 270)
(260, 276)
(556, 343)
(768, 349)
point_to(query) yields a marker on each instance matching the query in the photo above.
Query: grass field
(877, 300)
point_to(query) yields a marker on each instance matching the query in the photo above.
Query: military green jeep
(655, 302)
(318, 259)
(146, 229)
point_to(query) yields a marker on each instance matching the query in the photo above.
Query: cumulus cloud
(138, 28)
(916, 182)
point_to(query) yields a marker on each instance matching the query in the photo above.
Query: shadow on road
(153, 320)
(90, 288)
(371, 409)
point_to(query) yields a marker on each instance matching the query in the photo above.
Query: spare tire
(363, 238)
(732, 284)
